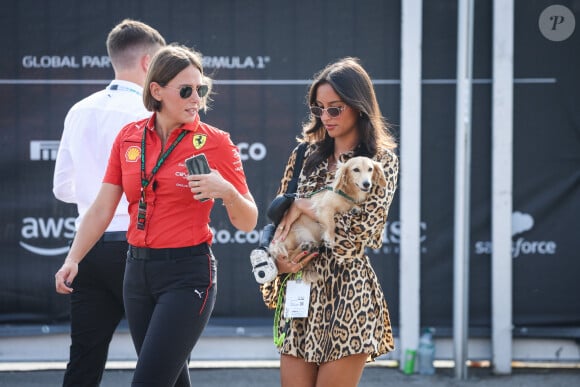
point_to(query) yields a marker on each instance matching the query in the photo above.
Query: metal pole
(410, 256)
(462, 185)
(502, 190)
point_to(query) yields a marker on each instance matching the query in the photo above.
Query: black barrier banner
(262, 56)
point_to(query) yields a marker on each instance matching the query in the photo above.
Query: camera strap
(290, 189)
(293, 184)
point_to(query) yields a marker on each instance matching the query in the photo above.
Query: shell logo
(132, 154)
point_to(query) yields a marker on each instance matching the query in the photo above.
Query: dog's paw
(277, 249)
(328, 239)
(310, 246)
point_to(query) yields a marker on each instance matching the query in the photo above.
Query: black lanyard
(141, 216)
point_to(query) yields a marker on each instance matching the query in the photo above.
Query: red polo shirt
(174, 218)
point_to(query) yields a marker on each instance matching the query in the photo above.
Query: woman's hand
(297, 263)
(65, 275)
(297, 208)
(92, 227)
(210, 186)
(241, 209)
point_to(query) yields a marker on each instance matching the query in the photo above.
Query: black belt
(114, 236)
(146, 253)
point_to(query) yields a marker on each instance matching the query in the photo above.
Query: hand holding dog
(297, 263)
(297, 208)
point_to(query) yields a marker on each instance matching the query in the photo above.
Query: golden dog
(352, 183)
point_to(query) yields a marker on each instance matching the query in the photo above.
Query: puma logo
(199, 294)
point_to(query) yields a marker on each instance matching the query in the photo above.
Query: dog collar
(340, 192)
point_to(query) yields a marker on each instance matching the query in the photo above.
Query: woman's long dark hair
(354, 86)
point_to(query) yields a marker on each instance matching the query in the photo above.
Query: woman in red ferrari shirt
(169, 288)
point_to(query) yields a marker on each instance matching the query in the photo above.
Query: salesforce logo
(521, 222)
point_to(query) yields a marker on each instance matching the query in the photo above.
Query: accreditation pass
(297, 299)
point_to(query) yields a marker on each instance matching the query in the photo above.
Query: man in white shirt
(90, 128)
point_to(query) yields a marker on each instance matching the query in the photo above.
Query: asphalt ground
(373, 376)
(233, 356)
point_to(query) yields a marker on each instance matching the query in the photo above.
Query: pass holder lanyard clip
(297, 298)
(296, 304)
(142, 210)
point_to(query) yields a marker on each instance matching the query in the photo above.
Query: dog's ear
(379, 174)
(341, 176)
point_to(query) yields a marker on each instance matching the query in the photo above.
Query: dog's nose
(366, 184)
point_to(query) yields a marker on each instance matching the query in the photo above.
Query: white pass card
(297, 299)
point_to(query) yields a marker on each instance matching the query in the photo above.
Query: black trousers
(169, 297)
(96, 309)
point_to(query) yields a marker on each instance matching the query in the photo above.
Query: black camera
(263, 265)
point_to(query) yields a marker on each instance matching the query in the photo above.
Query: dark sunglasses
(333, 111)
(186, 91)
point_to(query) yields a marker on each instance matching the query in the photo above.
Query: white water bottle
(426, 352)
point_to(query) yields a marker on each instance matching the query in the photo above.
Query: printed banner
(262, 58)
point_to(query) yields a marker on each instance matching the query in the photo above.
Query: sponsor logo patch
(199, 141)
(132, 154)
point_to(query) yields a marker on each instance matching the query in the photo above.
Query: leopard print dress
(348, 312)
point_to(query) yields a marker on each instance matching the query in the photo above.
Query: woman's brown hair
(165, 65)
(354, 86)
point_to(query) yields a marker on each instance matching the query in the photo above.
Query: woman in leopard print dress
(348, 320)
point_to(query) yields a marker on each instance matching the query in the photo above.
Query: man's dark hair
(129, 40)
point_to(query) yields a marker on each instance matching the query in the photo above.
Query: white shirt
(90, 127)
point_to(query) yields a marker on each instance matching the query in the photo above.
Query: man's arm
(63, 184)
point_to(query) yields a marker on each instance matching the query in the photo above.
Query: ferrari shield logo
(199, 140)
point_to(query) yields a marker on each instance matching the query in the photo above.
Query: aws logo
(521, 223)
(39, 233)
(132, 154)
